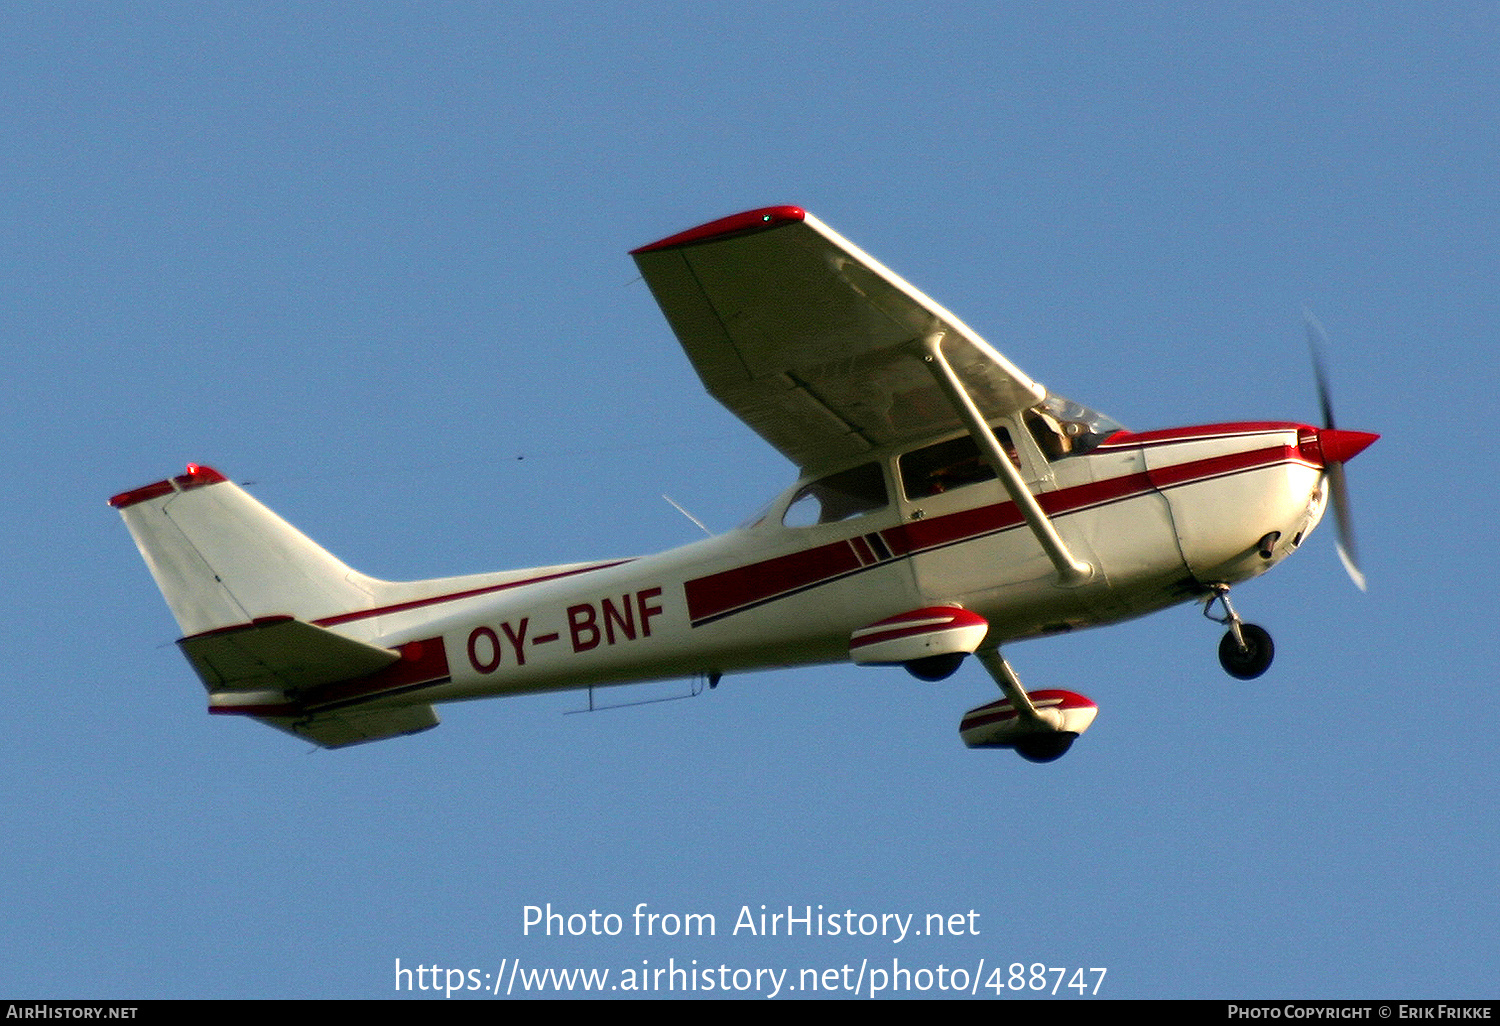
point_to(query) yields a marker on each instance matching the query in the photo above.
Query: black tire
(1254, 659)
(937, 667)
(1047, 747)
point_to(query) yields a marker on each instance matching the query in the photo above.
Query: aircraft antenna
(685, 513)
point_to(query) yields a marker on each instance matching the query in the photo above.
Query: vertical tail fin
(221, 558)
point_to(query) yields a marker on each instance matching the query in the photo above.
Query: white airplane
(947, 506)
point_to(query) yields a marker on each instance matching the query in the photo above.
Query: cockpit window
(1059, 426)
(838, 497)
(945, 466)
(1062, 427)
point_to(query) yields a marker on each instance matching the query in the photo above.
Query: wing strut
(1069, 569)
(1000, 669)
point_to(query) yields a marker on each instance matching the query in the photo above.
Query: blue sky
(373, 259)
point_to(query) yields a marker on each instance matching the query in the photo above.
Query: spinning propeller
(1338, 448)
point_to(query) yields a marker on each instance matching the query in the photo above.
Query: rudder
(222, 558)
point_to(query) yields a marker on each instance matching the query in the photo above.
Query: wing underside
(812, 342)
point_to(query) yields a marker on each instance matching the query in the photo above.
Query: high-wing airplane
(947, 505)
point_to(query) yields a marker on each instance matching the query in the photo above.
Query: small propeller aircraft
(947, 505)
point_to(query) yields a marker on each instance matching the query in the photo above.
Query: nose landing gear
(1246, 650)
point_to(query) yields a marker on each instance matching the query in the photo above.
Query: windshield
(1065, 428)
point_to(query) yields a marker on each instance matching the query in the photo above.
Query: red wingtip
(735, 224)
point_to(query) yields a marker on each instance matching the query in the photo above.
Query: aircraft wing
(814, 343)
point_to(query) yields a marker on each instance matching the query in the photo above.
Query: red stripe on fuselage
(401, 607)
(1199, 433)
(745, 586)
(1224, 466)
(967, 525)
(733, 591)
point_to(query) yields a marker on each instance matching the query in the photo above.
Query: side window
(949, 465)
(838, 497)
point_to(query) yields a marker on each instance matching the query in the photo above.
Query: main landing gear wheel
(1250, 660)
(937, 667)
(1047, 747)
(1039, 725)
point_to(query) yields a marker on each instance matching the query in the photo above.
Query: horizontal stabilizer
(346, 727)
(280, 652)
(315, 684)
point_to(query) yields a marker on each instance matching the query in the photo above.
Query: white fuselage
(1158, 516)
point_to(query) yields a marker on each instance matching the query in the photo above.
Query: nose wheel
(1246, 650)
(1249, 655)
